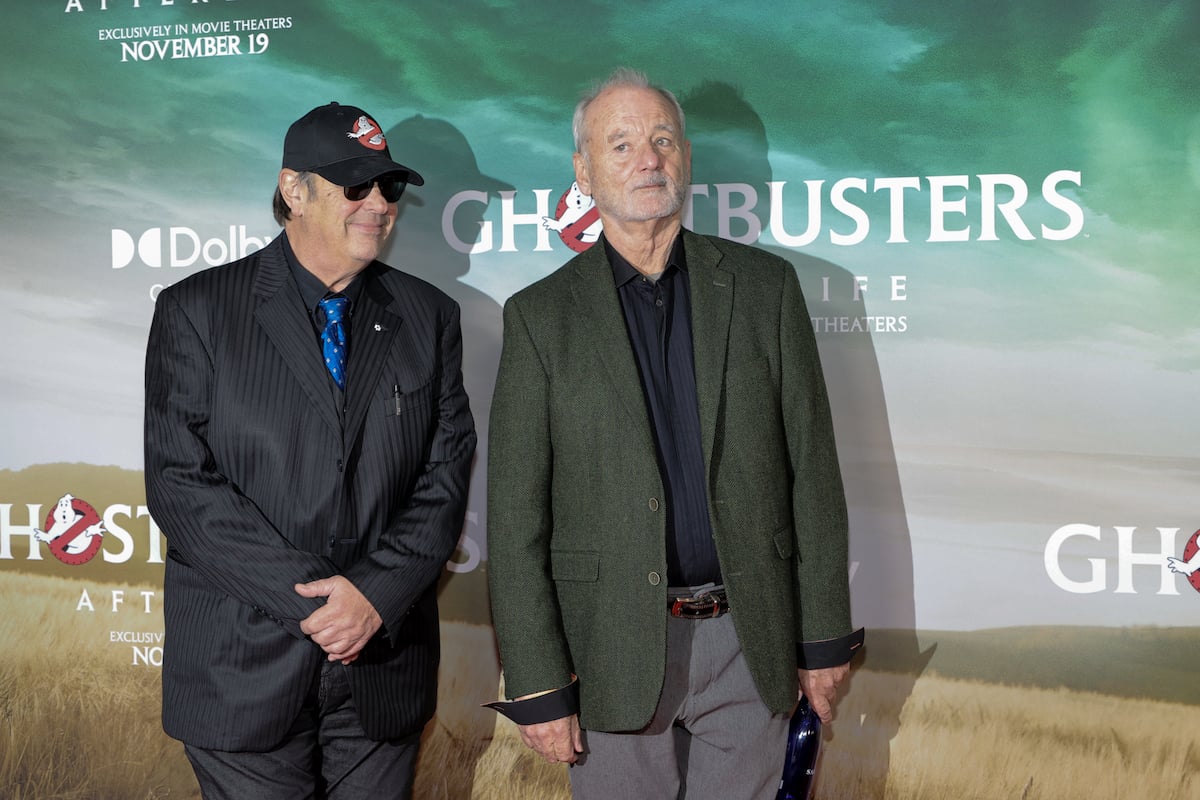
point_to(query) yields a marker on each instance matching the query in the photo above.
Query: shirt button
(653, 504)
(654, 578)
(658, 302)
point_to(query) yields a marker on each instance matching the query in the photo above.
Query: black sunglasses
(390, 186)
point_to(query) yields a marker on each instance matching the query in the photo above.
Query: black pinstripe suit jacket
(258, 485)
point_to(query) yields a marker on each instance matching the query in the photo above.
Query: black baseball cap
(342, 144)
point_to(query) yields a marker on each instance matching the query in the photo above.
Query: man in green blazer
(667, 526)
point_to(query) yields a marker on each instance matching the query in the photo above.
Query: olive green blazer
(576, 520)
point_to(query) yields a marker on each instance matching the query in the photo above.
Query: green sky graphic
(1019, 355)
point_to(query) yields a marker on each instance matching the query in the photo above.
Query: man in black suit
(308, 443)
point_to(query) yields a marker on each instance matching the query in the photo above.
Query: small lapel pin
(379, 328)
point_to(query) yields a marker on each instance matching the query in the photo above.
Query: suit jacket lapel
(284, 319)
(712, 309)
(599, 313)
(373, 327)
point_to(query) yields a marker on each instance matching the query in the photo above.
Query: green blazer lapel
(712, 310)
(597, 310)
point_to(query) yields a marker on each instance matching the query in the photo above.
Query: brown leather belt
(705, 605)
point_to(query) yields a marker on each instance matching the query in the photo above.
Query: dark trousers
(324, 756)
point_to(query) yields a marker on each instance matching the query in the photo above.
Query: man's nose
(374, 200)
(649, 158)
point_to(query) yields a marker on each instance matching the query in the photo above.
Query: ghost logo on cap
(368, 133)
(344, 145)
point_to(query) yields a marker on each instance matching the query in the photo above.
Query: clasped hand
(343, 626)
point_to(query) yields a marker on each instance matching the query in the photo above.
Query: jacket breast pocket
(402, 400)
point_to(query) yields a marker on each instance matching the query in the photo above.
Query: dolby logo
(179, 246)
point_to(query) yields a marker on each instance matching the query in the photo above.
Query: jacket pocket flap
(785, 542)
(570, 565)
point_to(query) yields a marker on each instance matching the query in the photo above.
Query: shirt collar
(312, 290)
(624, 272)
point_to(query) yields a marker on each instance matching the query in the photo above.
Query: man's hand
(820, 687)
(347, 621)
(555, 741)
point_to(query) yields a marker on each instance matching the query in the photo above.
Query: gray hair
(622, 77)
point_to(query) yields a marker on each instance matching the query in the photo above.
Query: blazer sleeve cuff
(546, 707)
(830, 652)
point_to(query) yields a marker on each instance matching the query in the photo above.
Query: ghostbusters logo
(73, 531)
(576, 220)
(1189, 565)
(368, 133)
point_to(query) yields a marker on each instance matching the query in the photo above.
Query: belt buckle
(694, 607)
(716, 604)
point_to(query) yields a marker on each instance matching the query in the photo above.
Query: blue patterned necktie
(333, 338)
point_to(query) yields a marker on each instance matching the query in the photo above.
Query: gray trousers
(711, 737)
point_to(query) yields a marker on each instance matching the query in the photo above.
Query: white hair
(622, 77)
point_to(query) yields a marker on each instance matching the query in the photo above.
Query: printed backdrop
(993, 212)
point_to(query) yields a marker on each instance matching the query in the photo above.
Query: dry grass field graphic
(79, 721)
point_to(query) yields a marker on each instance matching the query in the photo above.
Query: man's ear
(582, 179)
(293, 191)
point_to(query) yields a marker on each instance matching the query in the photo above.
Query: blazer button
(654, 578)
(654, 504)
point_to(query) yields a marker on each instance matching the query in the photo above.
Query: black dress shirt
(659, 321)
